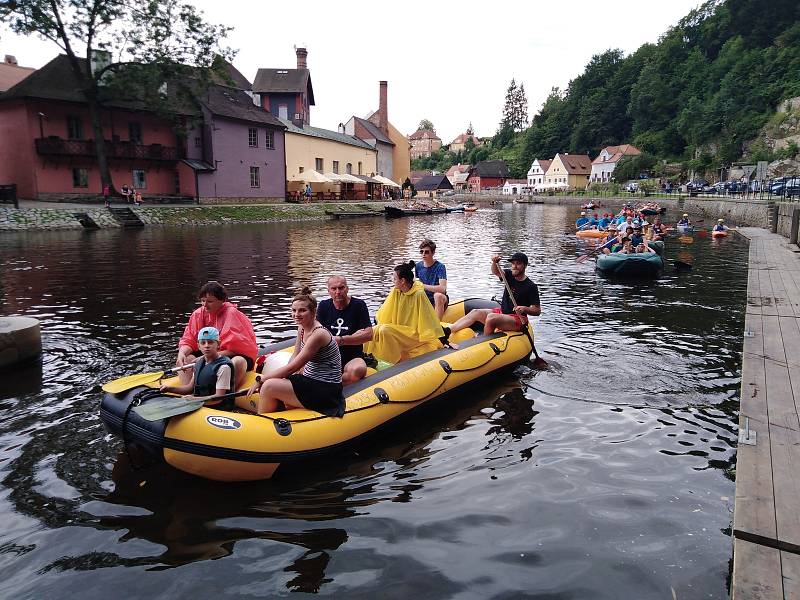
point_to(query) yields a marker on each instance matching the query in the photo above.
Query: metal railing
(55, 146)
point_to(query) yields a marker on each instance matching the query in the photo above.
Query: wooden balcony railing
(55, 146)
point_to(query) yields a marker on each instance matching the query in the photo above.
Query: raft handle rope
(138, 398)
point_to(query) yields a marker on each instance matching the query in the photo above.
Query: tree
(520, 109)
(426, 124)
(117, 44)
(509, 107)
(470, 131)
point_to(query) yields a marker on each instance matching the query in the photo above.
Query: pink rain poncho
(235, 330)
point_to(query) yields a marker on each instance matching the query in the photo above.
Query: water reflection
(606, 476)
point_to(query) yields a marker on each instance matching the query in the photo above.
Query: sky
(447, 62)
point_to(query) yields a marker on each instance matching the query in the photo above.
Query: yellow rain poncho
(407, 326)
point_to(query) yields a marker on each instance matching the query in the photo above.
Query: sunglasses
(425, 251)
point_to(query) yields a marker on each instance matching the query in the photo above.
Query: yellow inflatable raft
(233, 445)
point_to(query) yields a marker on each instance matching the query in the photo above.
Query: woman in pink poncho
(237, 338)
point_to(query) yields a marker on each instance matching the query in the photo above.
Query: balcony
(56, 146)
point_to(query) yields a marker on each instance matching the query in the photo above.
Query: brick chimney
(302, 54)
(383, 114)
(11, 60)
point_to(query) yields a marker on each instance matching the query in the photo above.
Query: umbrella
(310, 177)
(386, 181)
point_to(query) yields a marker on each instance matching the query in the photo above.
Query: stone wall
(785, 212)
(234, 200)
(49, 218)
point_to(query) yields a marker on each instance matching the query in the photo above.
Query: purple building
(238, 152)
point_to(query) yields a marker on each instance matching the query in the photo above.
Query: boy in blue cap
(212, 374)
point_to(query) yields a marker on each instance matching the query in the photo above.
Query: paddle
(162, 408)
(584, 257)
(123, 384)
(539, 363)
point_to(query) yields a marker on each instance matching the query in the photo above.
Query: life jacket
(205, 375)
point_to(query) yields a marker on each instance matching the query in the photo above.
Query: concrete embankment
(32, 217)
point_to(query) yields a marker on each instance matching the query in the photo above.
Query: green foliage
(712, 81)
(426, 124)
(633, 167)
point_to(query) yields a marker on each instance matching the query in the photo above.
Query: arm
(354, 339)
(496, 267)
(299, 359)
(179, 389)
(441, 288)
(534, 310)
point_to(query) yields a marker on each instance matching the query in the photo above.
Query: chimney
(11, 60)
(383, 115)
(302, 54)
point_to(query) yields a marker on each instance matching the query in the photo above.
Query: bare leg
(239, 368)
(354, 370)
(477, 315)
(439, 304)
(499, 322)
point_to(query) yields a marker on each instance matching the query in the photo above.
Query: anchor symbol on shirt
(339, 326)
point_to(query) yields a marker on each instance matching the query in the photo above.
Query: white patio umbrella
(311, 176)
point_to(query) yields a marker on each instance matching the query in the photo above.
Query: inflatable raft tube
(237, 445)
(630, 265)
(591, 233)
(719, 234)
(684, 228)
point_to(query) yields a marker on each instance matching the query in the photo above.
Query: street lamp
(41, 125)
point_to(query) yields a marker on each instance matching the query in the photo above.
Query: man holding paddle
(515, 308)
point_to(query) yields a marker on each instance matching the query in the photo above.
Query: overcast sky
(445, 61)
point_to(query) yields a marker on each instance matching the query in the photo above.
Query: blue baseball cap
(208, 333)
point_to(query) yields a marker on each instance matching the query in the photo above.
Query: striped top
(326, 364)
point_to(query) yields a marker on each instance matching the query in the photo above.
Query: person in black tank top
(319, 386)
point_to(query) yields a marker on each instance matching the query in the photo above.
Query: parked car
(697, 185)
(785, 185)
(632, 187)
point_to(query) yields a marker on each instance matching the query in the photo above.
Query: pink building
(47, 145)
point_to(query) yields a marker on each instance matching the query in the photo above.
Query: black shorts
(247, 359)
(321, 396)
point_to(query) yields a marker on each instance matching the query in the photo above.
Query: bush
(610, 188)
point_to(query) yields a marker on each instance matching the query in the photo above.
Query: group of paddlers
(336, 338)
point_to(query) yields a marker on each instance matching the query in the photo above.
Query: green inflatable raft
(630, 265)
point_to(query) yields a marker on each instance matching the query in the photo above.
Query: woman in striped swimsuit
(319, 386)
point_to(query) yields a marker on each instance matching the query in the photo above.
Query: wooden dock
(766, 519)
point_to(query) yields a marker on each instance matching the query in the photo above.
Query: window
(80, 178)
(319, 164)
(336, 166)
(255, 177)
(198, 142)
(301, 169)
(139, 179)
(74, 128)
(135, 132)
(252, 137)
(349, 168)
(283, 111)
(269, 143)
(359, 168)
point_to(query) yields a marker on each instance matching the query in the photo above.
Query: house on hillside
(487, 174)
(458, 176)
(416, 176)
(460, 143)
(537, 172)
(513, 187)
(568, 171)
(603, 166)
(11, 73)
(394, 156)
(432, 185)
(286, 93)
(423, 143)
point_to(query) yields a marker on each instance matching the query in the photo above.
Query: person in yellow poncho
(407, 322)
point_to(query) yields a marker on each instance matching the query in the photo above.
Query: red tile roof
(576, 164)
(457, 169)
(11, 75)
(424, 133)
(545, 164)
(616, 152)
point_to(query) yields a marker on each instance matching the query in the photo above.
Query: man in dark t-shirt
(347, 319)
(509, 317)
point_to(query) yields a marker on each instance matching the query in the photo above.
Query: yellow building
(401, 155)
(315, 149)
(570, 171)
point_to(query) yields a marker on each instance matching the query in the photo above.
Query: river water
(607, 476)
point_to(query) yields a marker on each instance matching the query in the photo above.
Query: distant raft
(591, 233)
(644, 265)
(719, 234)
(235, 445)
(684, 228)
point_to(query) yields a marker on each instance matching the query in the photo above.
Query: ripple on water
(607, 476)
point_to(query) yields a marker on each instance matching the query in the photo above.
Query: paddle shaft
(525, 328)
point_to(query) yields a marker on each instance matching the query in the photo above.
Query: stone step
(125, 217)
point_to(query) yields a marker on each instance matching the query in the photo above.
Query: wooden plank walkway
(766, 518)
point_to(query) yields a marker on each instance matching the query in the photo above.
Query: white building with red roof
(605, 163)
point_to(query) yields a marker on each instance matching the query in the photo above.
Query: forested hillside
(697, 97)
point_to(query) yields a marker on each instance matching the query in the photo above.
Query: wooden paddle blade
(686, 239)
(123, 384)
(163, 408)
